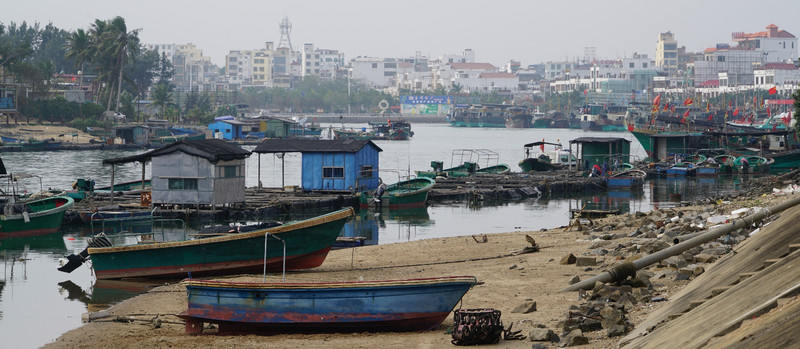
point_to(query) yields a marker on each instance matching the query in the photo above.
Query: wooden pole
(143, 162)
(112, 184)
(283, 177)
(259, 170)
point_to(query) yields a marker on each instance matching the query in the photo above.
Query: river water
(34, 295)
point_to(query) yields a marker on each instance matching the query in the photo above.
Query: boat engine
(73, 261)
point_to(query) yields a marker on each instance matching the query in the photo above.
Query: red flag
(708, 107)
(685, 115)
(585, 91)
(657, 100)
(787, 118)
(710, 117)
(773, 90)
(736, 112)
(542, 145)
(768, 113)
(688, 101)
(666, 106)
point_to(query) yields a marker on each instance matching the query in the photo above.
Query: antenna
(286, 29)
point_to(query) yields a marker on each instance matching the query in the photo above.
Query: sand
(40, 132)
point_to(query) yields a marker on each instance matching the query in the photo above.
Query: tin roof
(312, 146)
(212, 150)
(598, 140)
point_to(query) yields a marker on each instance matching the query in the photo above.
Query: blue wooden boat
(626, 179)
(358, 306)
(682, 169)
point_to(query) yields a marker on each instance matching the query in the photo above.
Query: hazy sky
(498, 31)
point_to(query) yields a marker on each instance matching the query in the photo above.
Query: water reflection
(103, 293)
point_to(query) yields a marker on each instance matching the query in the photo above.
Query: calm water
(33, 294)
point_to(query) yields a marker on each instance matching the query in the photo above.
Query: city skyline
(528, 32)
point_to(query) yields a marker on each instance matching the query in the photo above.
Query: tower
(286, 29)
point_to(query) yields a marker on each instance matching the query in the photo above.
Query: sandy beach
(506, 278)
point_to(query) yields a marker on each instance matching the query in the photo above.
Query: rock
(525, 308)
(704, 258)
(585, 261)
(542, 335)
(590, 326)
(575, 279)
(539, 346)
(675, 262)
(568, 259)
(574, 338)
(616, 330)
(611, 317)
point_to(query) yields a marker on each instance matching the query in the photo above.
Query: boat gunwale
(69, 204)
(326, 218)
(323, 285)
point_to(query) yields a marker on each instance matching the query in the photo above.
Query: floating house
(193, 172)
(330, 165)
(665, 145)
(598, 150)
(226, 127)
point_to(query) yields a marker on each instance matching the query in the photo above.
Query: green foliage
(59, 110)
(796, 97)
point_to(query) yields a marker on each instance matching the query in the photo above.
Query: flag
(542, 145)
(773, 90)
(685, 115)
(585, 91)
(736, 112)
(768, 113)
(657, 100)
(708, 106)
(710, 117)
(787, 119)
(666, 106)
(688, 101)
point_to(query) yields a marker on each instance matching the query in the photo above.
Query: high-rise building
(667, 52)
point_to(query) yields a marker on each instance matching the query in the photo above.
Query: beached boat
(357, 306)
(404, 194)
(33, 218)
(545, 160)
(307, 243)
(626, 179)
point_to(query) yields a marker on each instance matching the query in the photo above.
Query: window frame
(330, 172)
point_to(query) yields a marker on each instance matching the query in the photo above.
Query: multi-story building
(667, 52)
(467, 56)
(380, 73)
(751, 51)
(323, 63)
(191, 70)
(556, 70)
(785, 76)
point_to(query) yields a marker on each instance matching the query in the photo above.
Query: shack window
(228, 171)
(183, 184)
(333, 172)
(366, 171)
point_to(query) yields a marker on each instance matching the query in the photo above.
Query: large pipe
(622, 271)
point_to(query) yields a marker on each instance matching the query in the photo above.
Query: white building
(783, 75)
(380, 73)
(667, 51)
(321, 62)
(468, 56)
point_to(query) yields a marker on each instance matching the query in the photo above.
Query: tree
(121, 44)
(78, 49)
(162, 96)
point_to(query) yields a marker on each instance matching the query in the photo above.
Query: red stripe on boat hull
(274, 265)
(28, 233)
(319, 323)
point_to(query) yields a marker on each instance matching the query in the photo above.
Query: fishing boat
(356, 306)
(626, 179)
(518, 117)
(306, 245)
(753, 164)
(90, 216)
(725, 162)
(496, 169)
(33, 218)
(464, 170)
(397, 130)
(404, 194)
(682, 169)
(126, 186)
(479, 115)
(545, 160)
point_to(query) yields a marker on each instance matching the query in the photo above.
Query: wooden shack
(330, 165)
(598, 150)
(194, 172)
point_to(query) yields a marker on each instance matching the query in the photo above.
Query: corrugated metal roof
(598, 140)
(312, 146)
(213, 150)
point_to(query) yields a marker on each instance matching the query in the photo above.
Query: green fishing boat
(412, 193)
(304, 244)
(496, 169)
(34, 218)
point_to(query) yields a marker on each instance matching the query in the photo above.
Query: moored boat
(496, 169)
(410, 193)
(33, 218)
(545, 160)
(307, 243)
(356, 306)
(518, 117)
(626, 179)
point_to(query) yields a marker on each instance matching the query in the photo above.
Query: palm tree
(102, 63)
(162, 96)
(78, 49)
(122, 44)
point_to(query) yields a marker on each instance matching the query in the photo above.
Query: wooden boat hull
(707, 171)
(307, 245)
(624, 182)
(89, 216)
(533, 164)
(401, 195)
(397, 305)
(496, 169)
(44, 217)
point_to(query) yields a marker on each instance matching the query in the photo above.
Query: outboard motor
(73, 261)
(379, 192)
